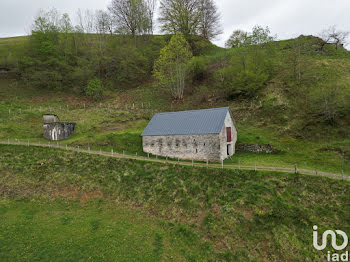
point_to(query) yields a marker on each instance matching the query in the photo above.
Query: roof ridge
(193, 110)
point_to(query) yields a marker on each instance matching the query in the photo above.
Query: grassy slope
(120, 126)
(188, 213)
(327, 149)
(66, 230)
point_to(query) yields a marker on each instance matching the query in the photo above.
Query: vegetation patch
(228, 213)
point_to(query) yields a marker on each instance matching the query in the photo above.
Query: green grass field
(75, 206)
(96, 230)
(117, 123)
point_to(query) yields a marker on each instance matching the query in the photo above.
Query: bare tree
(151, 6)
(86, 21)
(130, 16)
(103, 22)
(209, 24)
(334, 36)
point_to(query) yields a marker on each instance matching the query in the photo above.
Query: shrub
(94, 89)
(197, 68)
(248, 82)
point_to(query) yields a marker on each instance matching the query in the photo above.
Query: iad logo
(333, 256)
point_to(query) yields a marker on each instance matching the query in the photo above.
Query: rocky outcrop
(256, 148)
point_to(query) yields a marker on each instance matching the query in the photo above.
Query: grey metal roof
(205, 121)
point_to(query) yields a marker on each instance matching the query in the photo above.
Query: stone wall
(58, 130)
(257, 148)
(223, 138)
(197, 147)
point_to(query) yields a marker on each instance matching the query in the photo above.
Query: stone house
(208, 134)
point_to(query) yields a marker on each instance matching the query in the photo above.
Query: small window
(204, 144)
(196, 150)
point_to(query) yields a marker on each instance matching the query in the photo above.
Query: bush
(197, 68)
(248, 82)
(94, 89)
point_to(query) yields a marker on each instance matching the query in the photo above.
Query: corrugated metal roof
(205, 121)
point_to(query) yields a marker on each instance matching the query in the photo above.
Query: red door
(228, 134)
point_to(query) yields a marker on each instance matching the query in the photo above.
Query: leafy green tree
(259, 36)
(238, 38)
(131, 16)
(180, 16)
(94, 89)
(171, 68)
(190, 17)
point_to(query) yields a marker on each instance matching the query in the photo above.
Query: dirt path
(184, 163)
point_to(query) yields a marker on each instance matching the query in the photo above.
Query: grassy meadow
(118, 121)
(94, 207)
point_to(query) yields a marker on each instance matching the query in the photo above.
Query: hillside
(289, 95)
(93, 207)
(280, 113)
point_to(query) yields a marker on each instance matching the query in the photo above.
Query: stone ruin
(56, 130)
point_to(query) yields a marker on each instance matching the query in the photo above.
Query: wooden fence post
(316, 171)
(342, 174)
(255, 165)
(239, 164)
(295, 168)
(148, 155)
(207, 163)
(222, 163)
(112, 151)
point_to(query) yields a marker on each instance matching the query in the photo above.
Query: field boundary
(186, 163)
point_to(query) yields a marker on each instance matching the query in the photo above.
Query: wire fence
(173, 160)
